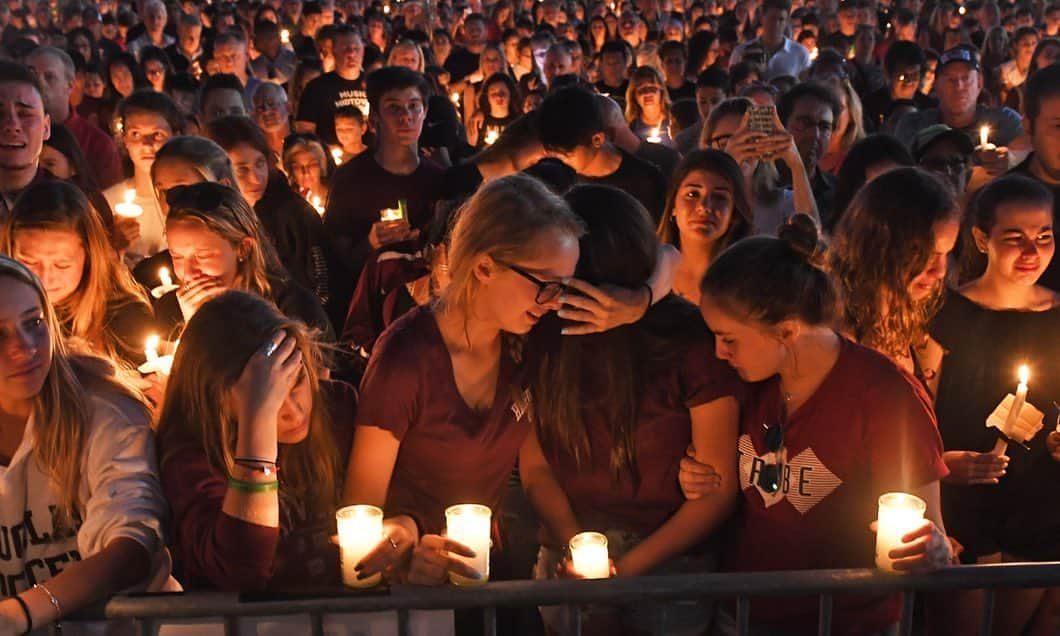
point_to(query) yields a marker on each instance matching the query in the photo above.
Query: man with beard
(1042, 121)
(958, 84)
(271, 115)
(809, 112)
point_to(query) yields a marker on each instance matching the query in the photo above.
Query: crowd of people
(706, 276)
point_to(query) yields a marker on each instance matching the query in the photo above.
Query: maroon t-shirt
(360, 188)
(663, 433)
(449, 453)
(867, 430)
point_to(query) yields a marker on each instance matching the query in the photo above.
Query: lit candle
(491, 136)
(984, 138)
(166, 286)
(469, 524)
(1014, 413)
(285, 36)
(360, 531)
(455, 98)
(961, 10)
(156, 363)
(336, 154)
(588, 553)
(317, 205)
(390, 214)
(899, 515)
(386, 9)
(128, 208)
(813, 53)
(654, 136)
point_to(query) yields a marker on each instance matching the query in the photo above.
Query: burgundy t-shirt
(663, 433)
(360, 188)
(449, 453)
(867, 430)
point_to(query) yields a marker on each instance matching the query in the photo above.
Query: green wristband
(251, 487)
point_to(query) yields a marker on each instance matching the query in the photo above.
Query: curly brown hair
(886, 239)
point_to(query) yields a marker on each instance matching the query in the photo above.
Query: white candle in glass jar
(588, 555)
(469, 524)
(899, 514)
(360, 531)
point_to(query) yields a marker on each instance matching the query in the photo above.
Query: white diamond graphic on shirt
(805, 481)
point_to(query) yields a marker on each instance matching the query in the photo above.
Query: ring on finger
(270, 348)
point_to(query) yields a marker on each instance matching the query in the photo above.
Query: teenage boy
(572, 129)
(392, 171)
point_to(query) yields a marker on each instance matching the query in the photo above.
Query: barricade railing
(148, 611)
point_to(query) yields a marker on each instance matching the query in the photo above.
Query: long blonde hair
(224, 212)
(208, 363)
(855, 130)
(643, 76)
(500, 221)
(63, 409)
(105, 284)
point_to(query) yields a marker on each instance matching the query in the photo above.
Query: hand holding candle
(491, 136)
(899, 514)
(167, 283)
(588, 553)
(469, 524)
(654, 136)
(360, 531)
(1014, 418)
(984, 139)
(156, 363)
(128, 208)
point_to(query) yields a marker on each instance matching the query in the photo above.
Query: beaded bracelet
(25, 612)
(251, 487)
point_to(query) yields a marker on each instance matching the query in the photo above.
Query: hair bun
(802, 236)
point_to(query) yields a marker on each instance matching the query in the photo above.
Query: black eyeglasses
(769, 478)
(547, 290)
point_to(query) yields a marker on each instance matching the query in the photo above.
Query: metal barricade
(148, 610)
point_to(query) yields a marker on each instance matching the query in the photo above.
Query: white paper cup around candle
(389, 215)
(469, 524)
(128, 208)
(899, 514)
(588, 554)
(360, 531)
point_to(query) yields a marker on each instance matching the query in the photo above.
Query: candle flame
(984, 135)
(151, 347)
(455, 98)
(130, 195)
(1024, 373)
(285, 36)
(491, 136)
(163, 275)
(336, 154)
